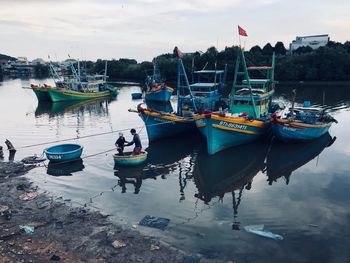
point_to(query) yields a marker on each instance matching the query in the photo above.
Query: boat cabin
(252, 96)
(203, 94)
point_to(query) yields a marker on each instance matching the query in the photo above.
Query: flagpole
(239, 37)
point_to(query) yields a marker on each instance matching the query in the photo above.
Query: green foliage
(280, 49)
(329, 63)
(6, 57)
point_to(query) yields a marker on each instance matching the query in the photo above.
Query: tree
(280, 49)
(267, 50)
(256, 49)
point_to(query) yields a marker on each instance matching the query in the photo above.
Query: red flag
(242, 32)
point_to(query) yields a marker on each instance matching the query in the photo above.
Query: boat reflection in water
(65, 169)
(229, 171)
(97, 106)
(164, 157)
(284, 158)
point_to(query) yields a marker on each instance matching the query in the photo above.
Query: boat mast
(180, 69)
(105, 75)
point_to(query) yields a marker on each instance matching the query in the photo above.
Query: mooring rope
(91, 135)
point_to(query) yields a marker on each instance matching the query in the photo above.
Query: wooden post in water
(1, 153)
(11, 149)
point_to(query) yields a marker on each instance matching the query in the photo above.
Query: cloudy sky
(142, 29)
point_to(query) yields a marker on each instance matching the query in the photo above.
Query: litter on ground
(259, 230)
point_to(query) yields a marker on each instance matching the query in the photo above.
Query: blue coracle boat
(302, 124)
(129, 159)
(64, 152)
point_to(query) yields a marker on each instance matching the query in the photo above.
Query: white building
(309, 41)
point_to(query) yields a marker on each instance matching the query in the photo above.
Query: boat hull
(161, 126)
(42, 94)
(294, 131)
(64, 152)
(162, 95)
(128, 159)
(225, 132)
(66, 95)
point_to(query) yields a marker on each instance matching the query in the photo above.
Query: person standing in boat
(120, 144)
(136, 140)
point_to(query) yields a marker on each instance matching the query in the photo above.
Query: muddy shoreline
(68, 234)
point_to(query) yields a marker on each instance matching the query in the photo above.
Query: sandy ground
(68, 234)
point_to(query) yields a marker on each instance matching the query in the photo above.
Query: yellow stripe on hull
(232, 129)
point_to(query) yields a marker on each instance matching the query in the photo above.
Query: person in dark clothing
(120, 143)
(136, 140)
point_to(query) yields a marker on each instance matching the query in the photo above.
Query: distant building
(19, 68)
(38, 61)
(309, 41)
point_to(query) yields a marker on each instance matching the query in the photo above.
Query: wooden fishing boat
(80, 86)
(191, 99)
(66, 94)
(64, 152)
(302, 124)
(41, 92)
(161, 93)
(130, 159)
(162, 124)
(247, 118)
(156, 90)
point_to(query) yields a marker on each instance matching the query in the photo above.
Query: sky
(143, 29)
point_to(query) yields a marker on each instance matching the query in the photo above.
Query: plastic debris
(259, 230)
(118, 244)
(28, 196)
(27, 229)
(154, 222)
(154, 247)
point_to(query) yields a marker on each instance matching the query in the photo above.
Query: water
(300, 191)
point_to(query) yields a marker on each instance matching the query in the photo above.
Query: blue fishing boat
(156, 89)
(64, 152)
(136, 95)
(247, 117)
(160, 92)
(129, 159)
(191, 99)
(302, 124)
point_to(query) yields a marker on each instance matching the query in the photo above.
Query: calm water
(301, 191)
